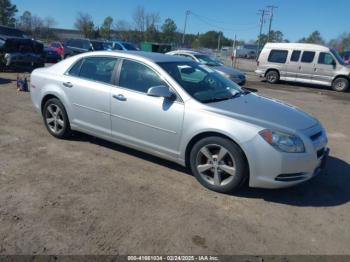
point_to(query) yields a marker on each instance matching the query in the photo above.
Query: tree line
(145, 26)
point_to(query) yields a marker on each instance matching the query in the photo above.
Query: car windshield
(129, 46)
(201, 82)
(107, 45)
(337, 56)
(204, 59)
(97, 45)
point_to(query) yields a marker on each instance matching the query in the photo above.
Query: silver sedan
(182, 111)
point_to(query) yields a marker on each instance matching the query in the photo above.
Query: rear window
(308, 57)
(278, 56)
(75, 70)
(295, 56)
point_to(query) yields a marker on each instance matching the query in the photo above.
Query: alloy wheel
(54, 118)
(216, 165)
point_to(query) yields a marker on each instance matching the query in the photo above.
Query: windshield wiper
(217, 99)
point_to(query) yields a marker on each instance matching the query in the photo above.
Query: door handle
(68, 84)
(299, 67)
(119, 97)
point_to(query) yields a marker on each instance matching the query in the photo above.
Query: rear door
(87, 85)
(306, 68)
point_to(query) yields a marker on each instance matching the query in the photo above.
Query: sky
(295, 19)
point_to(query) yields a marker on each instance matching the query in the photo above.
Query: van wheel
(272, 76)
(218, 164)
(340, 84)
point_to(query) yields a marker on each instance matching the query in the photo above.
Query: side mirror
(160, 91)
(334, 63)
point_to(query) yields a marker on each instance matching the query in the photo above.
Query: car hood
(227, 70)
(266, 112)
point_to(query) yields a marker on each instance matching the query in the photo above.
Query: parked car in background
(306, 63)
(246, 51)
(230, 73)
(121, 45)
(346, 57)
(50, 55)
(20, 52)
(58, 47)
(17, 49)
(182, 111)
(12, 32)
(77, 46)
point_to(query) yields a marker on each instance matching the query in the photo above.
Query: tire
(272, 76)
(56, 119)
(218, 164)
(340, 84)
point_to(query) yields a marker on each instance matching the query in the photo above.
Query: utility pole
(262, 13)
(185, 25)
(270, 8)
(219, 39)
(233, 56)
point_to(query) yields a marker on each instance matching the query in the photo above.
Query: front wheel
(218, 164)
(341, 84)
(272, 77)
(56, 119)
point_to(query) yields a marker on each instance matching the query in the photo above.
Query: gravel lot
(88, 196)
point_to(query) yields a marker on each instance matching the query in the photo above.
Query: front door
(324, 69)
(150, 122)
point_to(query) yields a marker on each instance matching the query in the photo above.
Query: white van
(306, 63)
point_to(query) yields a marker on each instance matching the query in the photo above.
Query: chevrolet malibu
(184, 112)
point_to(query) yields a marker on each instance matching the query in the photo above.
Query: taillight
(257, 62)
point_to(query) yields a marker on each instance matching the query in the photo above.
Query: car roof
(137, 55)
(297, 45)
(185, 52)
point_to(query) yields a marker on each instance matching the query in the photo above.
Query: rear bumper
(260, 73)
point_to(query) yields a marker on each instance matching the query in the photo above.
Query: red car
(58, 47)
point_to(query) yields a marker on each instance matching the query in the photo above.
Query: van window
(308, 57)
(295, 56)
(325, 58)
(278, 56)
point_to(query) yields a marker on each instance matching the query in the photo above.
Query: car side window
(307, 57)
(98, 69)
(278, 56)
(75, 69)
(325, 59)
(138, 77)
(295, 56)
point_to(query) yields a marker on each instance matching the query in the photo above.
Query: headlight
(283, 141)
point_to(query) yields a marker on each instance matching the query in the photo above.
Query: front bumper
(270, 168)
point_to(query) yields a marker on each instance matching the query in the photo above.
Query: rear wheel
(272, 76)
(56, 119)
(340, 84)
(218, 164)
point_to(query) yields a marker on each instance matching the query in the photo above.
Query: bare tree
(139, 18)
(106, 27)
(152, 20)
(49, 22)
(85, 24)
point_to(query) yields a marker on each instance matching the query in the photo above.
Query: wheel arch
(272, 69)
(202, 135)
(341, 76)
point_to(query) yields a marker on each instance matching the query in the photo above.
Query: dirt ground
(88, 196)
